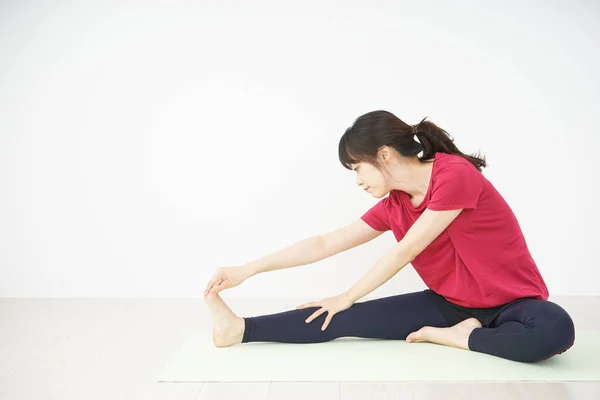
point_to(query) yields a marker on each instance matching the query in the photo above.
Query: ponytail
(374, 129)
(434, 139)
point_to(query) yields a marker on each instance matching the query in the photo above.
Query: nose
(358, 182)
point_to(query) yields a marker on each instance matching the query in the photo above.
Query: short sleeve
(456, 185)
(377, 216)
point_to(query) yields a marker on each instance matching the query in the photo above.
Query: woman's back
(481, 259)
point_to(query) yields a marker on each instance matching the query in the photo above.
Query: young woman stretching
(485, 292)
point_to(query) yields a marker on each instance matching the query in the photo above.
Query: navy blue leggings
(528, 330)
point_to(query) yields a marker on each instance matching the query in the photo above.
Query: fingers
(220, 286)
(301, 306)
(319, 312)
(316, 314)
(327, 321)
(211, 283)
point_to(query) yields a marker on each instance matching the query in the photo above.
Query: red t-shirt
(481, 259)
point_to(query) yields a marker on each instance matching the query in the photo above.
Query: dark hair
(372, 130)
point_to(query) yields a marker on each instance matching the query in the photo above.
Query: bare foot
(228, 328)
(454, 336)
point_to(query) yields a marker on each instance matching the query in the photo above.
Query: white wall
(142, 147)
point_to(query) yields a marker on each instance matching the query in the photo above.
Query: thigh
(547, 326)
(533, 313)
(526, 330)
(393, 317)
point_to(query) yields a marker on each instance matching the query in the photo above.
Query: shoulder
(456, 183)
(447, 159)
(449, 165)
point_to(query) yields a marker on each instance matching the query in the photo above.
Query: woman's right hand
(227, 277)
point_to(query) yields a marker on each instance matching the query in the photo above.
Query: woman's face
(370, 178)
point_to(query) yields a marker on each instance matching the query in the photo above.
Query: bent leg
(391, 317)
(528, 331)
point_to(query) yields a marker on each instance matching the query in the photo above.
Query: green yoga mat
(372, 360)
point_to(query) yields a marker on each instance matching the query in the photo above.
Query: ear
(384, 153)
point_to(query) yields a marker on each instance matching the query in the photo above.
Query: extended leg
(391, 317)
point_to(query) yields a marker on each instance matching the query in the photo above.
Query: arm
(315, 248)
(425, 229)
(306, 251)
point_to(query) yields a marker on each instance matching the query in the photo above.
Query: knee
(563, 332)
(551, 335)
(560, 328)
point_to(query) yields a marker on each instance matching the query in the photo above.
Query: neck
(417, 183)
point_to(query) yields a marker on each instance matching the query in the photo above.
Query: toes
(418, 336)
(413, 337)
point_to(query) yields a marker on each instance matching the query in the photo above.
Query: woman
(485, 292)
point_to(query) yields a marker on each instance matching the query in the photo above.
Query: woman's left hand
(332, 305)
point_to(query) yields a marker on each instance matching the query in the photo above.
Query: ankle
(241, 328)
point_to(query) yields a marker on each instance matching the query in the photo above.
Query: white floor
(115, 349)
